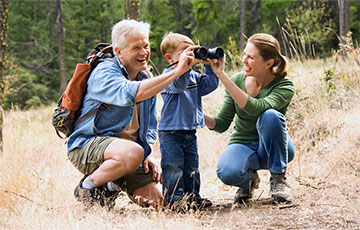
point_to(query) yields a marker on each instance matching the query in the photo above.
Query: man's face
(136, 55)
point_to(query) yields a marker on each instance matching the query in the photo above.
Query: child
(181, 115)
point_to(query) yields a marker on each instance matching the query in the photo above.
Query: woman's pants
(273, 151)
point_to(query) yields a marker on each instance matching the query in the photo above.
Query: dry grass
(36, 180)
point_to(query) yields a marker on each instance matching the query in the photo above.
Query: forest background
(38, 69)
(46, 40)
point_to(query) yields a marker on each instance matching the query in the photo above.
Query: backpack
(66, 114)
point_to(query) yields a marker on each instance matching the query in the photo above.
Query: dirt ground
(37, 181)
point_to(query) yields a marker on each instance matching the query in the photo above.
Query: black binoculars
(213, 53)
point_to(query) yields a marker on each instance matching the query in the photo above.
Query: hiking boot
(108, 198)
(203, 203)
(245, 194)
(280, 189)
(88, 197)
(187, 202)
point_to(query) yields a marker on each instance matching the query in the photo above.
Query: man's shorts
(88, 158)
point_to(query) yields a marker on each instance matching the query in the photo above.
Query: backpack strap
(102, 106)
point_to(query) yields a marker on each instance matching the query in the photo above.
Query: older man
(111, 148)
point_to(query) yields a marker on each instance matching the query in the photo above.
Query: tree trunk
(4, 13)
(344, 25)
(60, 35)
(344, 19)
(131, 9)
(242, 23)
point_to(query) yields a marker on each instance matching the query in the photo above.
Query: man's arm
(150, 87)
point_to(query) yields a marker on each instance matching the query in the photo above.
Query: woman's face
(254, 64)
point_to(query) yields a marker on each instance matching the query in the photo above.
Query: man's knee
(128, 155)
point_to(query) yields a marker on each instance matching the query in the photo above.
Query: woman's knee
(271, 119)
(229, 174)
(291, 149)
(271, 116)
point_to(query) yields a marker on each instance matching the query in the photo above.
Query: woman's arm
(239, 96)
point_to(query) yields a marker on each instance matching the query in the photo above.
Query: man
(112, 147)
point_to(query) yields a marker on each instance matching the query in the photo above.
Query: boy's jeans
(179, 163)
(273, 151)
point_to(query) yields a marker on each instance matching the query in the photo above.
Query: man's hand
(157, 173)
(186, 60)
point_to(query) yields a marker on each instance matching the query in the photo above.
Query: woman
(259, 97)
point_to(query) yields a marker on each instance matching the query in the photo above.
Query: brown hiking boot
(280, 189)
(108, 198)
(88, 197)
(243, 195)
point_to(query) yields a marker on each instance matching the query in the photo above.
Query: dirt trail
(325, 184)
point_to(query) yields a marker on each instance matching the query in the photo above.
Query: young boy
(181, 115)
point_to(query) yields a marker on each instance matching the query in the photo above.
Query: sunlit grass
(37, 181)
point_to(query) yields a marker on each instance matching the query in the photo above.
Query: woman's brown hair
(269, 48)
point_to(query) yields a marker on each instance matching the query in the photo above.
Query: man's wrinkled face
(136, 55)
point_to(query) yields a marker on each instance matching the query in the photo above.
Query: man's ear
(117, 51)
(168, 57)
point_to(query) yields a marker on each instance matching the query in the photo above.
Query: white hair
(125, 27)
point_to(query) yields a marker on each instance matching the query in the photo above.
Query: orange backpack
(66, 114)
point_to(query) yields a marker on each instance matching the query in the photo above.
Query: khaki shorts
(88, 158)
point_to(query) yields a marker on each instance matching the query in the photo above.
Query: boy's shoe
(88, 197)
(280, 189)
(243, 195)
(203, 203)
(187, 202)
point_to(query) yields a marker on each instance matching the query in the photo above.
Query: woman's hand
(157, 172)
(218, 65)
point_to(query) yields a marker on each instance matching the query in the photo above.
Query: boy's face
(174, 56)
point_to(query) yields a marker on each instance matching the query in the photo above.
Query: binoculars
(213, 53)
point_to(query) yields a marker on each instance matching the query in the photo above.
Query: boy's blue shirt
(109, 84)
(182, 109)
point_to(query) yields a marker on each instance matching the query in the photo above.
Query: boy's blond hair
(172, 40)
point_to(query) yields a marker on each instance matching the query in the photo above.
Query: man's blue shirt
(182, 109)
(110, 85)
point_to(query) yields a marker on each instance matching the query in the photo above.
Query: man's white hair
(126, 27)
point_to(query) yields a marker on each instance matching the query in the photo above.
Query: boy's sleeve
(208, 81)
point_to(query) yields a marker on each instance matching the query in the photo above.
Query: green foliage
(23, 91)
(161, 17)
(355, 21)
(86, 24)
(329, 79)
(309, 30)
(270, 10)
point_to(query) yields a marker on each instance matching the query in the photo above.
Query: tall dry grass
(36, 179)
